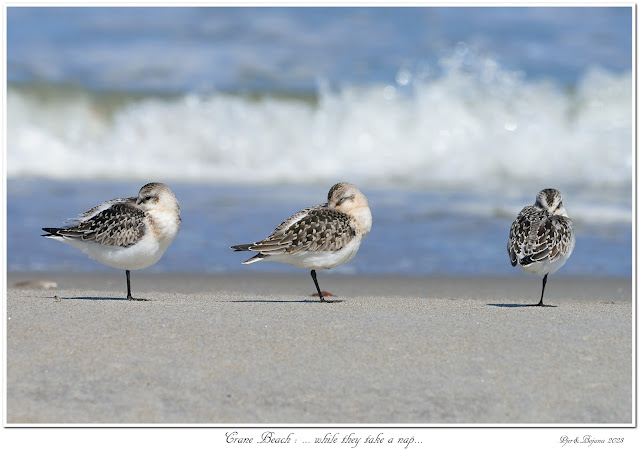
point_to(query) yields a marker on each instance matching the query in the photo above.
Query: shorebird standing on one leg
(318, 237)
(542, 237)
(126, 233)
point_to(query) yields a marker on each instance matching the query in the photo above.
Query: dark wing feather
(120, 225)
(534, 236)
(297, 216)
(313, 229)
(101, 207)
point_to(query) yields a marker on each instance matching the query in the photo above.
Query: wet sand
(259, 349)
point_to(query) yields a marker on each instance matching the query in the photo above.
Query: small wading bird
(542, 237)
(125, 233)
(318, 237)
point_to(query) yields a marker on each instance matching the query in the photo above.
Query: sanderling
(318, 237)
(126, 233)
(542, 237)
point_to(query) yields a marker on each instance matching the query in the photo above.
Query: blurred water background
(450, 120)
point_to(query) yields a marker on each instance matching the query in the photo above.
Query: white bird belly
(144, 253)
(319, 260)
(545, 267)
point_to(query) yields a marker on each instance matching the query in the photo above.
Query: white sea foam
(484, 128)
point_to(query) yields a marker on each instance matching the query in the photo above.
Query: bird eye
(342, 200)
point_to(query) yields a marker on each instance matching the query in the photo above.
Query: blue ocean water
(414, 232)
(449, 119)
(290, 48)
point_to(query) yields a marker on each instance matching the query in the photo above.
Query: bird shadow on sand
(515, 305)
(282, 301)
(121, 299)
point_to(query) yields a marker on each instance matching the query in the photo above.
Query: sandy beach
(258, 349)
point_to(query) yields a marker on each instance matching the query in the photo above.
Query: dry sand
(247, 348)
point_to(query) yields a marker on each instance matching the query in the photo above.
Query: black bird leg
(128, 288)
(314, 275)
(543, 288)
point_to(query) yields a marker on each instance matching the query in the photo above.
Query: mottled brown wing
(534, 237)
(101, 207)
(513, 247)
(295, 217)
(519, 231)
(562, 236)
(119, 225)
(319, 229)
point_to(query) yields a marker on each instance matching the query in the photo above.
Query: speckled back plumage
(541, 233)
(117, 223)
(319, 228)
